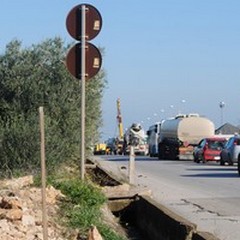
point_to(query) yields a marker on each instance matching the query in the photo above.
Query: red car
(209, 149)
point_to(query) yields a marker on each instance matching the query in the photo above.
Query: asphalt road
(206, 194)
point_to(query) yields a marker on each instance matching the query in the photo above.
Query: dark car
(231, 152)
(209, 149)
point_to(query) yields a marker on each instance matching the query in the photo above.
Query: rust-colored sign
(93, 22)
(93, 60)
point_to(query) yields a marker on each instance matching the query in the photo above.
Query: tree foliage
(37, 76)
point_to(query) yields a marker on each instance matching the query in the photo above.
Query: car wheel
(197, 160)
(230, 162)
(239, 165)
(222, 163)
(200, 159)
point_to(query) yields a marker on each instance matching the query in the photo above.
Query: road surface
(206, 194)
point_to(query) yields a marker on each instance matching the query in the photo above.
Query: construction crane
(119, 120)
(119, 139)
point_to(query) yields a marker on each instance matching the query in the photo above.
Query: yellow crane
(119, 139)
(119, 120)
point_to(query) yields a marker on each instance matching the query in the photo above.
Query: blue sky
(157, 54)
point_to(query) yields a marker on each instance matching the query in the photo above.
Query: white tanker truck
(179, 135)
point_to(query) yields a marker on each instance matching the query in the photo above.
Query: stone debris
(94, 234)
(119, 190)
(21, 211)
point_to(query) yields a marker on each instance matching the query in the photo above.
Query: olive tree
(37, 76)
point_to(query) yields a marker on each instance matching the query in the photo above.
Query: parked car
(239, 166)
(231, 151)
(209, 149)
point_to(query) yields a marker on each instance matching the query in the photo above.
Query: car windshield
(216, 145)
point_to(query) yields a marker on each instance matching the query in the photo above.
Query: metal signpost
(131, 165)
(83, 61)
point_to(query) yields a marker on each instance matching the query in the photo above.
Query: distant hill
(227, 128)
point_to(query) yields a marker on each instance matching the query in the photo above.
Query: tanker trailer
(178, 136)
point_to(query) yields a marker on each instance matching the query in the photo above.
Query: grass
(80, 209)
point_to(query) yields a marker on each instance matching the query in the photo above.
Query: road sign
(84, 60)
(93, 61)
(93, 22)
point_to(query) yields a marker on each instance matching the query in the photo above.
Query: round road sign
(93, 22)
(93, 61)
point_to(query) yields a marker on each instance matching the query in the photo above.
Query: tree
(34, 77)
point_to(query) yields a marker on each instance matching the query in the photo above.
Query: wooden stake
(43, 174)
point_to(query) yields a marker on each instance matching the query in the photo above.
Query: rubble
(21, 211)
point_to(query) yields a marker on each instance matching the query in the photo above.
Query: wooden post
(43, 174)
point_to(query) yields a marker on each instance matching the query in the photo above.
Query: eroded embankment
(141, 215)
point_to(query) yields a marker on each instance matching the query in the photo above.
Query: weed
(81, 207)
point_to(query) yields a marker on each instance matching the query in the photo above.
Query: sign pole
(131, 165)
(83, 64)
(83, 23)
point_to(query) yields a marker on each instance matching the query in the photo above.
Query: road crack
(202, 209)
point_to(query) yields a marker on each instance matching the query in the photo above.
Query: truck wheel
(160, 152)
(171, 153)
(160, 156)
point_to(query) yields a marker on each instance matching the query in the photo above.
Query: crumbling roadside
(21, 213)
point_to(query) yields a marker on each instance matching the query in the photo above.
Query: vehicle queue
(184, 137)
(221, 148)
